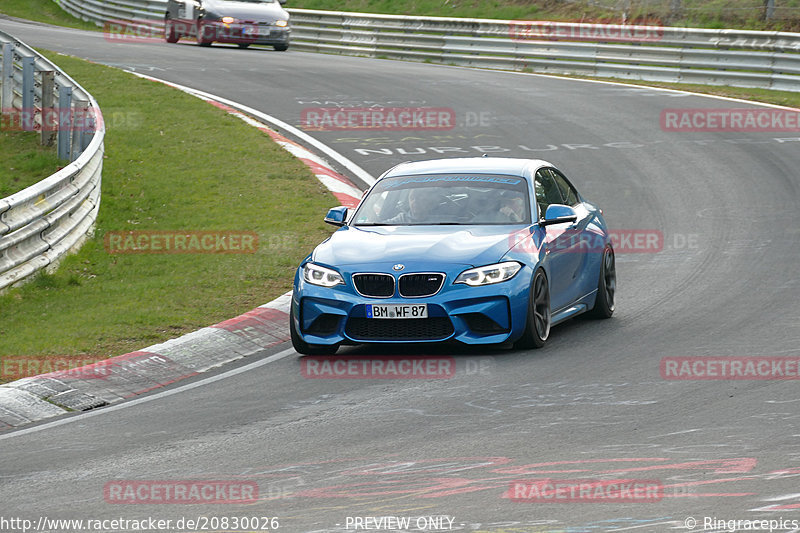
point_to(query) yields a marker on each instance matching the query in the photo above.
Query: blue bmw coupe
(476, 250)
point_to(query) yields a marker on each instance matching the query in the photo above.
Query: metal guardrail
(761, 59)
(689, 55)
(102, 11)
(45, 221)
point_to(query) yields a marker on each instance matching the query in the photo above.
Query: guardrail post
(27, 114)
(79, 113)
(48, 97)
(64, 131)
(88, 127)
(7, 101)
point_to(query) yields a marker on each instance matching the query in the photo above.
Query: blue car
(476, 250)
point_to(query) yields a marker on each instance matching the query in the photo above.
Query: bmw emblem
(398, 267)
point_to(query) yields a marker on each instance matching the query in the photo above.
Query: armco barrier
(43, 222)
(690, 55)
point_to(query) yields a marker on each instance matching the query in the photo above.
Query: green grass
(24, 161)
(172, 162)
(43, 11)
(698, 13)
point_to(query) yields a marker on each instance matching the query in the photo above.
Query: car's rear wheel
(244, 45)
(606, 286)
(304, 348)
(170, 34)
(537, 326)
(280, 47)
(203, 39)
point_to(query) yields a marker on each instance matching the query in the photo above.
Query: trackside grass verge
(24, 161)
(748, 14)
(697, 13)
(172, 163)
(47, 11)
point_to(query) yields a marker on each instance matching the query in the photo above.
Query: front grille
(374, 285)
(420, 285)
(410, 329)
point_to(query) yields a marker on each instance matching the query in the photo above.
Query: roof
(472, 165)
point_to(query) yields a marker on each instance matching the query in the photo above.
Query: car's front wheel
(606, 286)
(203, 39)
(170, 34)
(280, 47)
(537, 327)
(304, 348)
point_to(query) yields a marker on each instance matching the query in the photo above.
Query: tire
(537, 325)
(170, 35)
(280, 47)
(604, 303)
(243, 45)
(202, 37)
(304, 348)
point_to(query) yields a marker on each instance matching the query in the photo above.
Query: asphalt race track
(591, 405)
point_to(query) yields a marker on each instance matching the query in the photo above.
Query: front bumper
(248, 33)
(490, 314)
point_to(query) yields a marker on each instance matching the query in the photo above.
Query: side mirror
(282, 2)
(337, 216)
(558, 214)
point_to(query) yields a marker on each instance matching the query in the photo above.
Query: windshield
(474, 199)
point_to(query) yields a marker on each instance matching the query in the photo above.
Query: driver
(421, 203)
(513, 208)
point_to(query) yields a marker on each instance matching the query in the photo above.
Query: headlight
(228, 20)
(282, 23)
(319, 275)
(486, 275)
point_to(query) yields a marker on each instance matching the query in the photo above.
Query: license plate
(397, 311)
(257, 31)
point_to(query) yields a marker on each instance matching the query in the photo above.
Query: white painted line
(669, 522)
(157, 396)
(633, 85)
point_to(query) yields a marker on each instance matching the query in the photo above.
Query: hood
(259, 12)
(467, 245)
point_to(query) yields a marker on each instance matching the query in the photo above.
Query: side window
(546, 191)
(568, 192)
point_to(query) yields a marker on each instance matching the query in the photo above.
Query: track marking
(230, 373)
